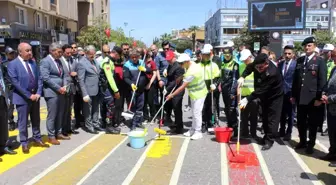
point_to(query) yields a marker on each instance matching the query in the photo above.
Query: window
(52, 1)
(38, 20)
(230, 31)
(46, 22)
(316, 18)
(22, 16)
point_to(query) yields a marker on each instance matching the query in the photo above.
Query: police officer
(10, 55)
(310, 76)
(268, 88)
(110, 91)
(229, 77)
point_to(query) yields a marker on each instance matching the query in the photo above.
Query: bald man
(25, 77)
(106, 51)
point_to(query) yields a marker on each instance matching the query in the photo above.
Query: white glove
(86, 98)
(165, 73)
(241, 82)
(164, 91)
(213, 87)
(243, 103)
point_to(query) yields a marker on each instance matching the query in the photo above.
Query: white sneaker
(145, 122)
(189, 133)
(197, 135)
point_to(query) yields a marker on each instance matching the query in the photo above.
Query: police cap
(261, 58)
(308, 40)
(227, 50)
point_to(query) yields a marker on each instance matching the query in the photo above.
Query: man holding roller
(197, 90)
(132, 68)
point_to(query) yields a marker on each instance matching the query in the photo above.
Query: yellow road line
(319, 167)
(76, 167)
(159, 163)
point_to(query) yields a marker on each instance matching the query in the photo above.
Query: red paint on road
(247, 173)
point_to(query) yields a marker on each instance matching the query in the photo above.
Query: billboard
(272, 15)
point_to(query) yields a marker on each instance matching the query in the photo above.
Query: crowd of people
(151, 80)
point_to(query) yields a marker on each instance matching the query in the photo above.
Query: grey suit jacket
(52, 79)
(88, 77)
(68, 77)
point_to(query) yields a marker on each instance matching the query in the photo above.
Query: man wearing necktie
(310, 76)
(26, 80)
(54, 89)
(78, 99)
(67, 64)
(287, 68)
(88, 76)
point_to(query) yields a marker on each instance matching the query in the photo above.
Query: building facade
(321, 4)
(38, 22)
(225, 24)
(89, 10)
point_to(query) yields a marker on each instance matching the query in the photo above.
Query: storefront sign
(27, 35)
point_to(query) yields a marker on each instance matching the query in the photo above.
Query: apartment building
(89, 10)
(39, 22)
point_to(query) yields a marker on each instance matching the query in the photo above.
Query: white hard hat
(183, 58)
(98, 53)
(207, 49)
(244, 54)
(328, 47)
(229, 44)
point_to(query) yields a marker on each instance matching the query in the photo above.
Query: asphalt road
(108, 159)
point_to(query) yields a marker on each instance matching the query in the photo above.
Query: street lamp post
(129, 33)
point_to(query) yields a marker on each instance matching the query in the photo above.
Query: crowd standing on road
(95, 82)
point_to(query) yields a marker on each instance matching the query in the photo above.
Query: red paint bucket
(223, 134)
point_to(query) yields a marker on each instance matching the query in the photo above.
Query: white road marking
(137, 166)
(100, 162)
(63, 159)
(303, 165)
(263, 165)
(324, 148)
(179, 162)
(224, 165)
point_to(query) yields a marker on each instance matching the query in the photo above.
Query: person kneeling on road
(197, 90)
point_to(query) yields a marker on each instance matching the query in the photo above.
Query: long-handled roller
(237, 157)
(212, 104)
(129, 113)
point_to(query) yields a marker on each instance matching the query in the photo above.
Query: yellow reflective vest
(196, 88)
(248, 86)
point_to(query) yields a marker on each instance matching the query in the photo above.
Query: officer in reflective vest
(250, 113)
(228, 80)
(211, 72)
(194, 82)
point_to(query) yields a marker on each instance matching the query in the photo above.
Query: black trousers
(125, 93)
(11, 109)
(230, 109)
(309, 117)
(175, 105)
(331, 117)
(271, 113)
(78, 109)
(287, 112)
(3, 123)
(250, 113)
(149, 105)
(67, 122)
(207, 110)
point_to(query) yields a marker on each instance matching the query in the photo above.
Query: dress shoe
(74, 132)
(91, 131)
(54, 141)
(287, 137)
(333, 164)
(25, 149)
(12, 126)
(309, 150)
(112, 130)
(267, 146)
(62, 137)
(9, 151)
(300, 146)
(41, 144)
(328, 157)
(99, 129)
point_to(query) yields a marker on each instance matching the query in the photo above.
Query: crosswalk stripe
(303, 165)
(179, 162)
(62, 160)
(224, 165)
(101, 162)
(263, 165)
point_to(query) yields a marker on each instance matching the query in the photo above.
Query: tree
(182, 45)
(156, 41)
(324, 37)
(246, 37)
(193, 29)
(166, 37)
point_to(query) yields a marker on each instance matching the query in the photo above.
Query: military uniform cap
(308, 40)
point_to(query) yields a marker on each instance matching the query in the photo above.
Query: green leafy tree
(248, 38)
(324, 37)
(182, 45)
(156, 41)
(298, 47)
(193, 29)
(166, 37)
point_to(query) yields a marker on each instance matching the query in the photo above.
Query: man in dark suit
(25, 77)
(68, 67)
(54, 88)
(88, 76)
(310, 76)
(287, 68)
(78, 99)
